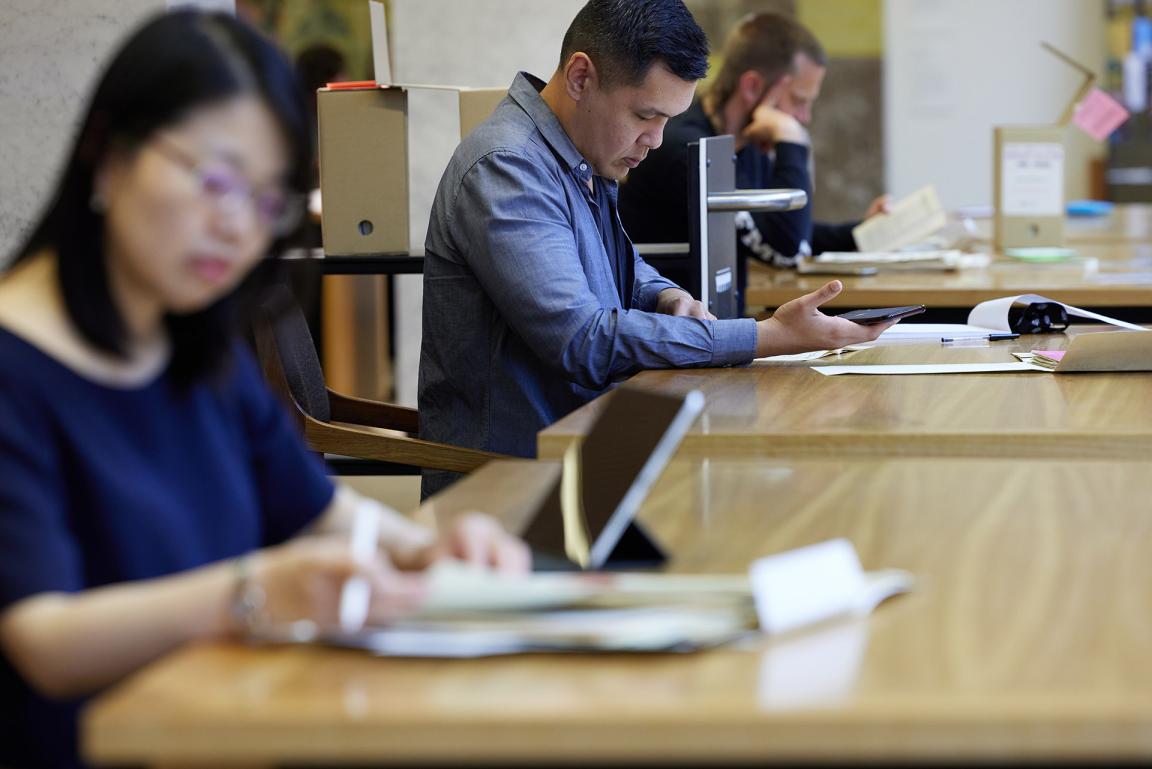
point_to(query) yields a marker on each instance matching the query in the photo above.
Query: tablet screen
(606, 477)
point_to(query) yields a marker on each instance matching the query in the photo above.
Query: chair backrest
(288, 360)
(282, 323)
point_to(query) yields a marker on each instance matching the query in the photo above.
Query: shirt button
(583, 166)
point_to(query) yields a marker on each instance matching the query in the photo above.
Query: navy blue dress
(100, 485)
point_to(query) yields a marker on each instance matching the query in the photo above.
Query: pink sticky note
(1053, 354)
(1099, 114)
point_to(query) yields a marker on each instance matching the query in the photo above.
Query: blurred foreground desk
(1123, 278)
(790, 411)
(1026, 638)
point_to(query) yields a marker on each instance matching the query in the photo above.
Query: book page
(912, 219)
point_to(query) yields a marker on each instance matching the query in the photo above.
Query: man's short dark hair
(624, 38)
(767, 43)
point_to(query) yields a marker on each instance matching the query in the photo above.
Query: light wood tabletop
(1125, 223)
(1106, 275)
(790, 410)
(1026, 637)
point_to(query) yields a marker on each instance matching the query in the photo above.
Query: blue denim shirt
(523, 322)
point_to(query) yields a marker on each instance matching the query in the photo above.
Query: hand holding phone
(800, 326)
(882, 314)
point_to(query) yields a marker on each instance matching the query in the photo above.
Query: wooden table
(1115, 275)
(1026, 638)
(788, 410)
(1116, 271)
(1127, 223)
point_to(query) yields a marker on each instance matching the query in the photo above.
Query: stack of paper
(814, 355)
(870, 262)
(647, 629)
(473, 613)
(1045, 359)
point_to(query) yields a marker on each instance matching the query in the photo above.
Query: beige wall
(472, 43)
(956, 68)
(50, 54)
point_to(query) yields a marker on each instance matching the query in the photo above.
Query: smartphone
(882, 314)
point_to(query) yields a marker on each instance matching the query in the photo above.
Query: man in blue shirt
(535, 301)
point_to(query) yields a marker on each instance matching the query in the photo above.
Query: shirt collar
(525, 91)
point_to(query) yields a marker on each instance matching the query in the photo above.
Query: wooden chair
(288, 359)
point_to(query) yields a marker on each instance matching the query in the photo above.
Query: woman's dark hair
(624, 38)
(172, 65)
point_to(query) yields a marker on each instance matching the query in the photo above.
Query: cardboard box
(1028, 165)
(1029, 194)
(382, 152)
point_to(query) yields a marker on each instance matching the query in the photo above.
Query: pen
(986, 337)
(357, 591)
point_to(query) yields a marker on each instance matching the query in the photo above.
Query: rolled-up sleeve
(511, 221)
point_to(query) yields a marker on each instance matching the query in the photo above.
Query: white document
(814, 355)
(819, 582)
(1032, 179)
(868, 262)
(455, 587)
(929, 368)
(637, 629)
(906, 332)
(912, 219)
(885, 258)
(994, 313)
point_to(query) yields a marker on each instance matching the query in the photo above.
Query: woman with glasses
(152, 491)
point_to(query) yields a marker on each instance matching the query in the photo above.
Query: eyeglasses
(278, 210)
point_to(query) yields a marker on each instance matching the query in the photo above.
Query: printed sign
(1032, 179)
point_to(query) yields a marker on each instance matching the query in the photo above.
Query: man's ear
(751, 88)
(579, 75)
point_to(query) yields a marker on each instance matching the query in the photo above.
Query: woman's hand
(476, 539)
(408, 546)
(303, 579)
